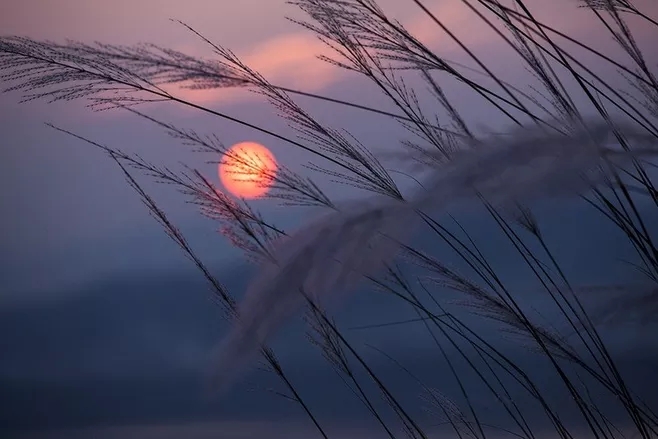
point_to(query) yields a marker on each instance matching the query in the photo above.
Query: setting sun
(246, 169)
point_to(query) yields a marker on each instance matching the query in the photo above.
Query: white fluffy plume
(327, 256)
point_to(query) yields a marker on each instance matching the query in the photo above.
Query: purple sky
(70, 221)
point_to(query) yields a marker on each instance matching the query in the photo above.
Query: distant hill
(135, 349)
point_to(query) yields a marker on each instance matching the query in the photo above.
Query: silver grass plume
(326, 257)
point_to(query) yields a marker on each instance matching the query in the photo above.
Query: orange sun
(246, 170)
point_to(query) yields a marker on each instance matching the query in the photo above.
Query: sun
(246, 170)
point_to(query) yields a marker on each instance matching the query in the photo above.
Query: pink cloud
(289, 60)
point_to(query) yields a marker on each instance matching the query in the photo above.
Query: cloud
(289, 60)
(297, 53)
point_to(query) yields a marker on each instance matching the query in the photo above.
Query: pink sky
(255, 29)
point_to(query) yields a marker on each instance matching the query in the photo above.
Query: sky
(98, 306)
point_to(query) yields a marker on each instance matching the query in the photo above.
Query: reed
(598, 148)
